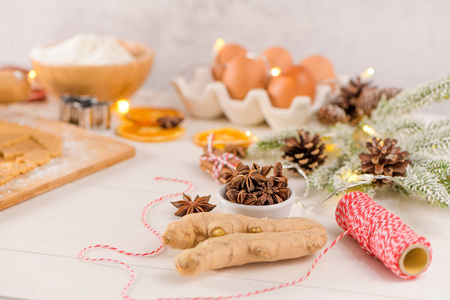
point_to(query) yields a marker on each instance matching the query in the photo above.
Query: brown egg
(243, 74)
(225, 54)
(278, 57)
(320, 67)
(296, 81)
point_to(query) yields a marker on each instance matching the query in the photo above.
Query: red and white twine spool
(383, 235)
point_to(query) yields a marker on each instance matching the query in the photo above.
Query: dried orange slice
(149, 115)
(142, 133)
(224, 136)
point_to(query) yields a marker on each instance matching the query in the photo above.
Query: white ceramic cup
(274, 211)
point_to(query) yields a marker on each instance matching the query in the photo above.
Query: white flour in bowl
(85, 50)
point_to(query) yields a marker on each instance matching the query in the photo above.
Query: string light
(32, 74)
(330, 147)
(123, 106)
(353, 177)
(219, 44)
(369, 130)
(367, 73)
(252, 137)
(275, 72)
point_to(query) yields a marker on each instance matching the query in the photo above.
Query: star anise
(268, 193)
(169, 121)
(236, 150)
(262, 171)
(247, 182)
(187, 206)
(241, 169)
(279, 179)
(241, 197)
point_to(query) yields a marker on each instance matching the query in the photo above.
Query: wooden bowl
(106, 82)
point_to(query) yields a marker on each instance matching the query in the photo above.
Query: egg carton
(206, 98)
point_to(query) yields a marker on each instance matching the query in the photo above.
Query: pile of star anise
(252, 186)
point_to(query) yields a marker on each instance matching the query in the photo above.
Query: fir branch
(439, 124)
(426, 184)
(429, 176)
(408, 100)
(368, 189)
(273, 140)
(432, 140)
(277, 139)
(440, 167)
(342, 175)
(401, 190)
(320, 178)
(398, 127)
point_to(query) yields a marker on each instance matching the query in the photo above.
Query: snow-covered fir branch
(273, 140)
(398, 127)
(434, 141)
(426, 184)
(437, 90)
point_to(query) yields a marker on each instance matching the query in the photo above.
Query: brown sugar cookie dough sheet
(23, 148)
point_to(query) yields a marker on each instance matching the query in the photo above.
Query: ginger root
(216, 240)
(243, 248)
(192, 229)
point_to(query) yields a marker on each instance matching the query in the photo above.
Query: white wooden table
(40, 238)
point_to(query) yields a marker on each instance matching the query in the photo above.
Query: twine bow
(219, 161)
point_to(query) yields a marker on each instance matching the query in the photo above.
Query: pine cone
(370, 97)
(332, 114)
(350, 96)
(306, 151)
(384, 159)
(391, 92)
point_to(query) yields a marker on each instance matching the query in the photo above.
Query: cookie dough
(24, 148)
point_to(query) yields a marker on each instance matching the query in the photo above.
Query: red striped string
(219, 161)
(144, 221)
(132, 273)
(362, 209)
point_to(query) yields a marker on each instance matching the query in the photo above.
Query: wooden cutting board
(84, 153)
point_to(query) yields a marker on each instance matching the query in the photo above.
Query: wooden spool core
(414, 260)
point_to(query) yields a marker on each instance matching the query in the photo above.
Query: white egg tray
(206, 98)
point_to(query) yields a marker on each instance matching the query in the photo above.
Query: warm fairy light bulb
(369, 130)
(123, 106)
(330, 147)
(251, 136)
(352, 178)
(219, 44)
(367, 73)
(32, 74)
(275, 72)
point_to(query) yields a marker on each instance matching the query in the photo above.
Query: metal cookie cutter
(85, 111)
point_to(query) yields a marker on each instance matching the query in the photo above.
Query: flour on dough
(24, 148)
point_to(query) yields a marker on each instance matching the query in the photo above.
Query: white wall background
(406, 41)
